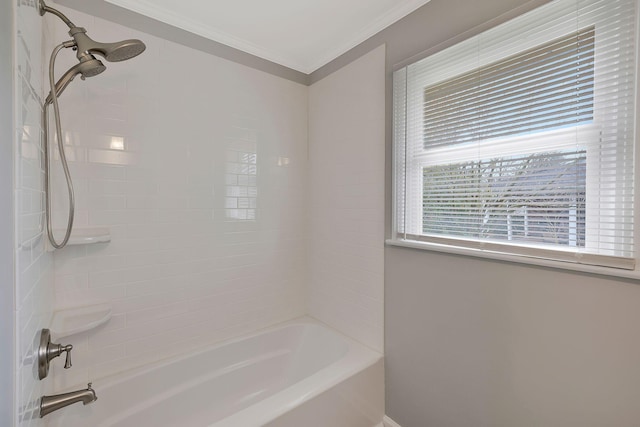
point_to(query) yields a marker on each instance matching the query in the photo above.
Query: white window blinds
(546, 87)
(520, 140)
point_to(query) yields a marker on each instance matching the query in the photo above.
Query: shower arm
(44, 9)
(73, 29)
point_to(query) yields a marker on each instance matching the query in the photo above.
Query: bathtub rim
(112, 379)
(357, 358)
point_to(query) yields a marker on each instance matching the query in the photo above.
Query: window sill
(519, 259)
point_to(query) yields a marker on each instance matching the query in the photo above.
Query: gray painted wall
(477, 343)
(6, 214)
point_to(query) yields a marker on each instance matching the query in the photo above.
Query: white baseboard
(388, 422)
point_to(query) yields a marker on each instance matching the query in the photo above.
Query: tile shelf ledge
(87, 236)
(74, 320)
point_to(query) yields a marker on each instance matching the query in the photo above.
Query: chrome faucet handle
(55, 350)
(67, 359)
(48, 351)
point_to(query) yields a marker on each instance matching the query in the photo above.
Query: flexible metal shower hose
(63, 158)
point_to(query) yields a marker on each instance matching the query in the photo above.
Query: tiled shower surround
(197, 166)
(346, 208)
(33, 265)
(221, 223)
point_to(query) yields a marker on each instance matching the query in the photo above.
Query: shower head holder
(112, 52)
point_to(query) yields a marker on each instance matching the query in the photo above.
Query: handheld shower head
(112, 52)
(88, 66)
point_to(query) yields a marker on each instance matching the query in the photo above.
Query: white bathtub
(298, 374)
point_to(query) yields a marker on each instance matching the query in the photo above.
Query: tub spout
(48, 404)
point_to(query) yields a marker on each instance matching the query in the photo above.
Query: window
(520, 140)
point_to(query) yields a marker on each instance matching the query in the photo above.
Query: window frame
(501, 251)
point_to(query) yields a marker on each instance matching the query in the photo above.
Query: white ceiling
(299, 34)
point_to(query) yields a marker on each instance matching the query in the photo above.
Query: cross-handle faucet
(48, 350)
(48, 404)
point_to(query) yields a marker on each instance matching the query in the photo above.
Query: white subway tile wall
(346, 204)
(33, 265)
(179, 154)
(199, 167)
